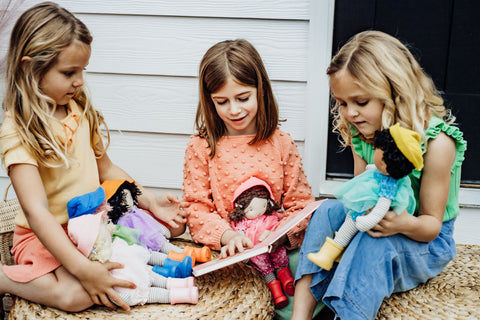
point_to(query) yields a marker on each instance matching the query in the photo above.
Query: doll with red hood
(255, 213)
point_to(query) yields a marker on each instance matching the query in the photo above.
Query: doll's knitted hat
(83, 231)
(86, 203)
(248, 184)
(111, 186)
(408, 142)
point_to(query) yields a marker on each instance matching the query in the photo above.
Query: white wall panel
(266, 9)
(168, 104)
(175, 45)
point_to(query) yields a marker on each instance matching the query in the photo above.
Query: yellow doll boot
(325, 257)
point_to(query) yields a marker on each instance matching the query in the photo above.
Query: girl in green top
(376, 82)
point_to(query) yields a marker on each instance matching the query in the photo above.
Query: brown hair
(243, 201)
(239, 59)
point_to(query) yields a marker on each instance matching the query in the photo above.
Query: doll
(96, 201)
(369, 196)
(92, 234)
(122, 196)
(255, 212)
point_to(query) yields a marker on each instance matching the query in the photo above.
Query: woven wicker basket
(8, 209)
(234, 292)
(453, 294)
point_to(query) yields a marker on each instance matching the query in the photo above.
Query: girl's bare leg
(57, 289)
(304, 302)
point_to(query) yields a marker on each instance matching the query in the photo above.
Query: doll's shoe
(167, 272)
(184, 295)
(280, 299)
(325, 257)
(175, 269)
(287, 280)
(180, 283)
(202, 254)
(179, 256)
(184, 266)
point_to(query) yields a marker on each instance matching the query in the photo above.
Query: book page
(260, 248)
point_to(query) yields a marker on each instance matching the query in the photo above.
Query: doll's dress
(150, 229)
(135, 260)
(363, 191)
(253, 228)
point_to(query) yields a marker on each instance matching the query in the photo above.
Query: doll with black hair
(370, 195)
(255, 213)
(122, 197)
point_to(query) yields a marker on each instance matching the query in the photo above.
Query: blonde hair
(239, 59)
(41, 33)
(387, 70)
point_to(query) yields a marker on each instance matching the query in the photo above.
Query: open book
(260, 248)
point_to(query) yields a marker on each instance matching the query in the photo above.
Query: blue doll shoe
(175, 269)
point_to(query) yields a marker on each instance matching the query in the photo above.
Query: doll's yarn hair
(243, 201)
(398, 166)
(118, 201)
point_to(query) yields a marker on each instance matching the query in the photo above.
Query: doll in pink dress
(255, 213)
(92, 234)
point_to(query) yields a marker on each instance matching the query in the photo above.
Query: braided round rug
(453, 294)
(234, 292)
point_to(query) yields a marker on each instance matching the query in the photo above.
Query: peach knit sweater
(209, 184)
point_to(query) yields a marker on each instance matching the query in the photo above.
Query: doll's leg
(167, 247)
(279, 260)
(160, 281)
(346, 232)
(332, 248)
(264, 265)
(374, 268)
(368, 221)
(157, 258)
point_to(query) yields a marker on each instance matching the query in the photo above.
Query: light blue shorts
(371, 269)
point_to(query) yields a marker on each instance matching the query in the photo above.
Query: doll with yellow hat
(370, 195)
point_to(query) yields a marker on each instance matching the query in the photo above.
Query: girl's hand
(391, 224)
(169, 209)
(99, 283)
(264, 235)
(234, 241)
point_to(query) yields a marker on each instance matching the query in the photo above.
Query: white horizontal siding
(265, 9)
(168, 104)
(174, 46)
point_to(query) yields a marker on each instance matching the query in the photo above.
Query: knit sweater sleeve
(297, 192)
(205, 225)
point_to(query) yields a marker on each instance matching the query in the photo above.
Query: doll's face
(378, 161)
(127, 198)
(102, 249)
(256, 208)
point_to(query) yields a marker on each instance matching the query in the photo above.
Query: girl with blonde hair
(376, 82)
(51, 144)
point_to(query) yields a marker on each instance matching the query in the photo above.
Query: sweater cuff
(217, 236)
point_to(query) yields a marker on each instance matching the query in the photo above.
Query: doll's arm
(368, 221)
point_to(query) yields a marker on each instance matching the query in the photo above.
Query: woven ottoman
(234, 292)
(453, 294)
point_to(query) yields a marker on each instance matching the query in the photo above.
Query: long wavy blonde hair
(387, 70)
(41, 33)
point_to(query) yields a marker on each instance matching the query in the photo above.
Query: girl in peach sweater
(238, 138)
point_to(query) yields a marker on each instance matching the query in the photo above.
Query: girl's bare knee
(73, 300)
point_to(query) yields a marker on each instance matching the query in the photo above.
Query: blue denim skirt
(371, 269)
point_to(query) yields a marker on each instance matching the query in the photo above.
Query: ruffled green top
(436, 125)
